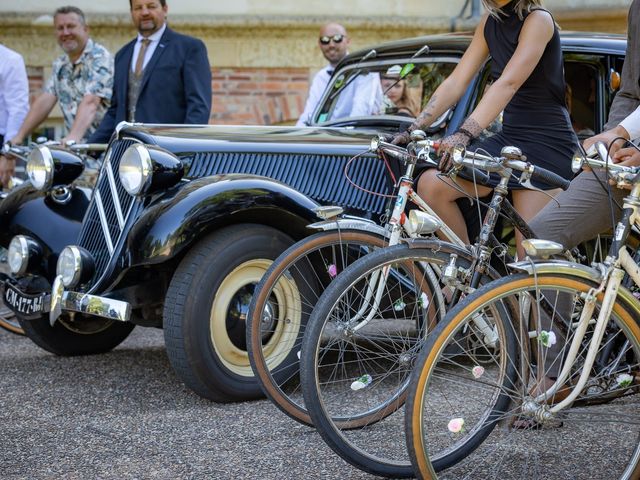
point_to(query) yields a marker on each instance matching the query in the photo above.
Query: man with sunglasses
(366, 95)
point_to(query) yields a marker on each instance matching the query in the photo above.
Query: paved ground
(125, 415)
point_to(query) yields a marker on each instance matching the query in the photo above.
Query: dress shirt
(154, 41)
(318, 86)
(362, 97)
(14, 92)
(632, 124)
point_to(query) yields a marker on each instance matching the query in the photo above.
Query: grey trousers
(577, 215)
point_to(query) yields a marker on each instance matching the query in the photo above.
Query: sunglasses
(326, 39)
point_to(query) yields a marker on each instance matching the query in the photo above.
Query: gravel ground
(125, 415)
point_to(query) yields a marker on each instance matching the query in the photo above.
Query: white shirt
(362, 97)
(318, 86)
(632, 124)
(14, 92)
(153, 44)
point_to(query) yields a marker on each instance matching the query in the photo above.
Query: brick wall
(258, 96)
(242, 96)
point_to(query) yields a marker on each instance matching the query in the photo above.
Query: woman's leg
(441, 194)
(528, 203)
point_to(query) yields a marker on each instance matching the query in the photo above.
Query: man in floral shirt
(81, 80)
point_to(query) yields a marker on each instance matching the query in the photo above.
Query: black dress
(536, 119)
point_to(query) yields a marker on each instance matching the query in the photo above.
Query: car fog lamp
(18, 255)
(40, 168)
(75, 266)
(135, 169)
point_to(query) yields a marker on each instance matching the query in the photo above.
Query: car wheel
(77, 334)
(206, 310)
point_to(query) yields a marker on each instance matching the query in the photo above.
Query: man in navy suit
(160, 77)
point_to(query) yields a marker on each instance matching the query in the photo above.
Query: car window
(390, 89)
(581, 93)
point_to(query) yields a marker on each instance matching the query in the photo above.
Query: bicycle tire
(299, 274)
(518, 445)
(361, 424)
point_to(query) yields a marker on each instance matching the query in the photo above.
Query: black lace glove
(468, 131)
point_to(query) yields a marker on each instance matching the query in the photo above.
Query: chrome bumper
(62, 300)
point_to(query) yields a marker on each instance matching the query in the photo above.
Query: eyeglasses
(326, 39)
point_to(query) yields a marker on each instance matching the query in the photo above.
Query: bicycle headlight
(577, 161)
(75, 266)
(421, 223)
(40, 168)
(23, 252)
(146, 169)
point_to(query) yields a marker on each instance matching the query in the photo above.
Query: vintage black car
(184, 220)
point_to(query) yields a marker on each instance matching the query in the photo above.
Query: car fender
(26, 211)
(171, 225)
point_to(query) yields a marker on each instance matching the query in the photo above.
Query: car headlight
(40, 168)
(75, 265)
(135, 169)
(23, 252)
(148, 168)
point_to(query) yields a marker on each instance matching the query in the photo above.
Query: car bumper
(60, 301)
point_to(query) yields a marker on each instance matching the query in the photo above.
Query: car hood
(189, 139)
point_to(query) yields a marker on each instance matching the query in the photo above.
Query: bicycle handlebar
(503, 165)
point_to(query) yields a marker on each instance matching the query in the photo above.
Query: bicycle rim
(281, 306)
(471, 435)
(354, 372)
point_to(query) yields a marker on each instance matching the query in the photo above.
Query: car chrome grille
(108, 211)
(321, 177)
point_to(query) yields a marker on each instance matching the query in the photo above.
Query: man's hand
(629, 157)
(7, 170)
(608, 137)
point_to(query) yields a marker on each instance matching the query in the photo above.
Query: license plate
(21, 302)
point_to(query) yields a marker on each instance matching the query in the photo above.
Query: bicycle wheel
(282, 303)
(465, 419)
(361, 343)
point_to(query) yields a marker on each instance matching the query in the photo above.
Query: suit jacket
(176, 85)
(628, 98)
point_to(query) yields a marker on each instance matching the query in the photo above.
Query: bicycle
(580, 323)
(369, 324)
(284, 298)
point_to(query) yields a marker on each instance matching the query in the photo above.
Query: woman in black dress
(529, 88)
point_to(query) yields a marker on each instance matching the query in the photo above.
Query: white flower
(477, 371)
(399, 305)
(361, 382)
(547, 339)
(624, 380)
(456, 425)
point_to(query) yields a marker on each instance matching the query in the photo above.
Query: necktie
(140, 60)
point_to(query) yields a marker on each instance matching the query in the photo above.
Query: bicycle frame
(617, 263)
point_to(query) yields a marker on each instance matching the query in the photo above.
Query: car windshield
(391, 89)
